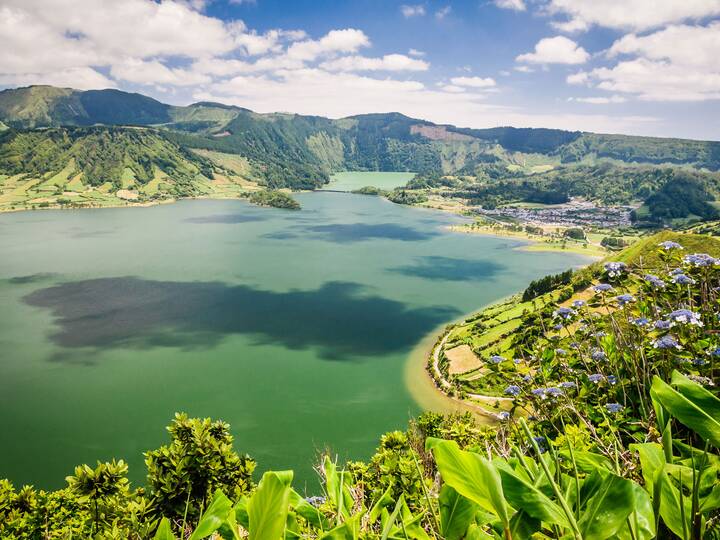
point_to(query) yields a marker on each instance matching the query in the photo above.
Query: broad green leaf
(472, 476)
(476, 533)
(524, 495)
(587, 462)
(522, 525)
(411, 527)
(214, 516)
(652, 461)
(350, 530)
(164, 532)
(384, 500)
(307, 510)
(691, 404)
(387, 525)
(640, 525)
(268, 507)
(241, 514)
(456, 513)
(608, 506)
(337, 491)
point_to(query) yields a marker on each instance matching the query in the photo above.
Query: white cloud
(348, 40)
(389, 62)
(678, 63)
(524, 69)
(153, 72)
(629, 14)
(452, 88)
(599, 100)
(515, 5)
(556, 50)
(473, 82)
(416, 53)
(83, 78)
(441, 13)
(580, 77)
(417, 10)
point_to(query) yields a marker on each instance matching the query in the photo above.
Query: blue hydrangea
(615, 268)
(655, 281)
(578, 303)
(663, 325)
(512, 390)
(614, 408)
(666, 342)
(715, 352)
(596, 378)
(503, 416)
(558, 327)
(704, 381)
(640, 321)
(602, 287)
(611, 379)
(567, 384)
(554, 391)
(624, 299)
(527, 378)
(540, 392)
(700, 260)
(699, 361)
(669, 245)
(564, 313)
(598, 355)
(682, 279)
(685, 316)
(542, 444)
(496, 359)
(315, 501)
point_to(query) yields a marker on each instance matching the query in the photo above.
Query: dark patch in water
(133, 313)
(280, 235)
(225, 218)
(358, 232)
(32, 278)
(449, 269)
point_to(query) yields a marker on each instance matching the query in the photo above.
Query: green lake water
(350, 181)
(294, 327)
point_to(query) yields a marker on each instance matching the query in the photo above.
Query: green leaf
(610, 500)
(472, 476)
(164, 532)
(652, 461)
(691, 405)
(524, 495)
(456, 513)
(268, 507)
(640, 525)
(214, 516)
(307, 510)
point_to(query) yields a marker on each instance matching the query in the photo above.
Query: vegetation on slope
(275, 199)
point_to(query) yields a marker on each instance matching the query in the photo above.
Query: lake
(294, 327)
(350, 181)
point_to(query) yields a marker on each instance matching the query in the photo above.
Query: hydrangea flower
(567, 384)
(527, 378)
(612, 379)
(540, 392)
(655, 281)
(517, 361)
(578, 303)
(700, 259)
(564, 313)
(669, 245)
(541, 442)
(624, 299)
(614, 408)
(682, 279)
(496, 359)
(666, 342)
(663, 325)
(554, 391)
(596, 378)
(640, 321)
(705, 381)
(560, 352)
(503, 416)
(512, 390)
(615, 268)
(315, 501)
(558, 326)
(598, 355)
(699, 361)
(600, 334)
(685, 316)
(602, 287)
(715, 352)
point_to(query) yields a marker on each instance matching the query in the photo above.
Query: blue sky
(622, 66)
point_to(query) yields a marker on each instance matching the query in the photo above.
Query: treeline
(546, 284)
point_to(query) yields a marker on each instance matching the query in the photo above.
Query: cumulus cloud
(348, 40)
(154, 72)
(599, 100)
(555, 50)
(629, 14)
(677, 63)
(473, 82)
(515, 5)
(417, 10)
(389, 62)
